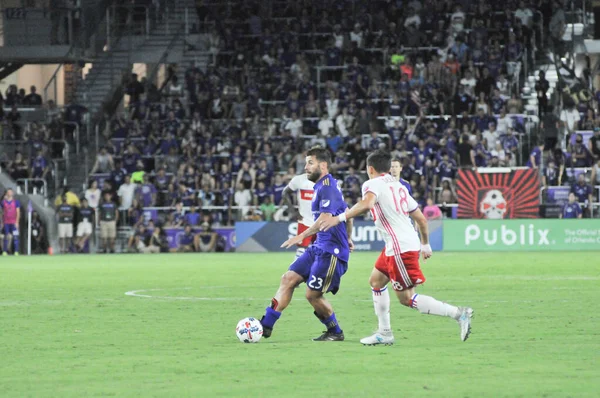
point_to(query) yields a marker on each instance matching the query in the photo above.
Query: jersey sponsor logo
(306, 194)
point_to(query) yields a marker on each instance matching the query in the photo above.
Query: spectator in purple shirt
(177, 215)
(261, 193)
(278, 188)
(130, 158)
(146, 193)
(39, 169)
(571, 209)
(583, 193)
(581, 155)
(535, 157)
(192, 217)
(185, 241)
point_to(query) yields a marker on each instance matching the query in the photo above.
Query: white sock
(429, 305)
(381, 302)
(300, 251)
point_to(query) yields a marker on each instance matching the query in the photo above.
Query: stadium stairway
(105, 77)
(108, 68)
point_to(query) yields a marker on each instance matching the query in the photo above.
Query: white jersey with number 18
(304, 189)
(391, 214)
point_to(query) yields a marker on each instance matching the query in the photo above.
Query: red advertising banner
(515, 194)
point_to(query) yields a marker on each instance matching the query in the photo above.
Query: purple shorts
(11, 229)
(321, 271)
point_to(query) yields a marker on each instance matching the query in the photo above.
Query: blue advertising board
(268, 236)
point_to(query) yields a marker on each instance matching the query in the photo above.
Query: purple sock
(271, 316)
(332, 324)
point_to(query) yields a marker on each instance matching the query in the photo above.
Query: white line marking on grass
(138, 293)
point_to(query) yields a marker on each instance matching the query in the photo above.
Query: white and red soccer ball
(249, 330)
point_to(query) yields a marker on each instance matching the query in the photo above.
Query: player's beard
(314, 176)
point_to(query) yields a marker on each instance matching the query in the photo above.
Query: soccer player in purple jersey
(396, 171)
(11, 213)
(325, 261)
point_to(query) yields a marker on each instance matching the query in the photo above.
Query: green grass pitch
(68, 329)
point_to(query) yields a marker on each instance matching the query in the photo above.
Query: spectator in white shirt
(294, 126)
(457, 20)
(338, 36)
(325, 126)
(344, 122)
(356, 36)
(469, 83)
(504, 122)
(242, 198)
(524, 14)
(412, 19)
(93, 194)
(126, 193)
(498, 152)
(491, 135)
(332, 104)
(569, 117)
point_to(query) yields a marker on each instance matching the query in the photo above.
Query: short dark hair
(320, 153)
(396, 160)
(380, 160)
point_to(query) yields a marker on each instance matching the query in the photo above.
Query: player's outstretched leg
(280, 301)
(324, 311)
(381, 302)
(428, 305)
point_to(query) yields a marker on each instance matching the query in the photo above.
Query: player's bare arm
(421, 221)
(309, 232)
(287, 201)
(363, 206)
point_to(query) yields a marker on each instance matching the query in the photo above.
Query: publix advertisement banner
(521, 235)
(268, 236)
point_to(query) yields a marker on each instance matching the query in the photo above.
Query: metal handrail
(76, 134)
(27, 180)
(55, 163)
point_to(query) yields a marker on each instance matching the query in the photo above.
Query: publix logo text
(522, 235)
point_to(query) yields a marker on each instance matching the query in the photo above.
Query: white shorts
(84, 228)
(65, 230)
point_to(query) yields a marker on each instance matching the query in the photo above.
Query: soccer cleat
(464, 321)
(330, 336)
(378, 338)
(266, 330)
(16, 253)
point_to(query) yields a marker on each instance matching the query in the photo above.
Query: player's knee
(313, 295)
(290, 280)
(376, 282)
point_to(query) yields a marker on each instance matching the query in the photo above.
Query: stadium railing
(31, 186)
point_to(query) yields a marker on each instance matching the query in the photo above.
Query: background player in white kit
(392, 209)
(303, 188)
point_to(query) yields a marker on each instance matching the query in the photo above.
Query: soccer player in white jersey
(303, 188)
(392, 209)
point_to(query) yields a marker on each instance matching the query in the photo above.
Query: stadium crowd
(434, 82)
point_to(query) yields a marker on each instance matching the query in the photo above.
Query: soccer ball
(249, 330)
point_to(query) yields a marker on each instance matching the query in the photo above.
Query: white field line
(140, 293)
